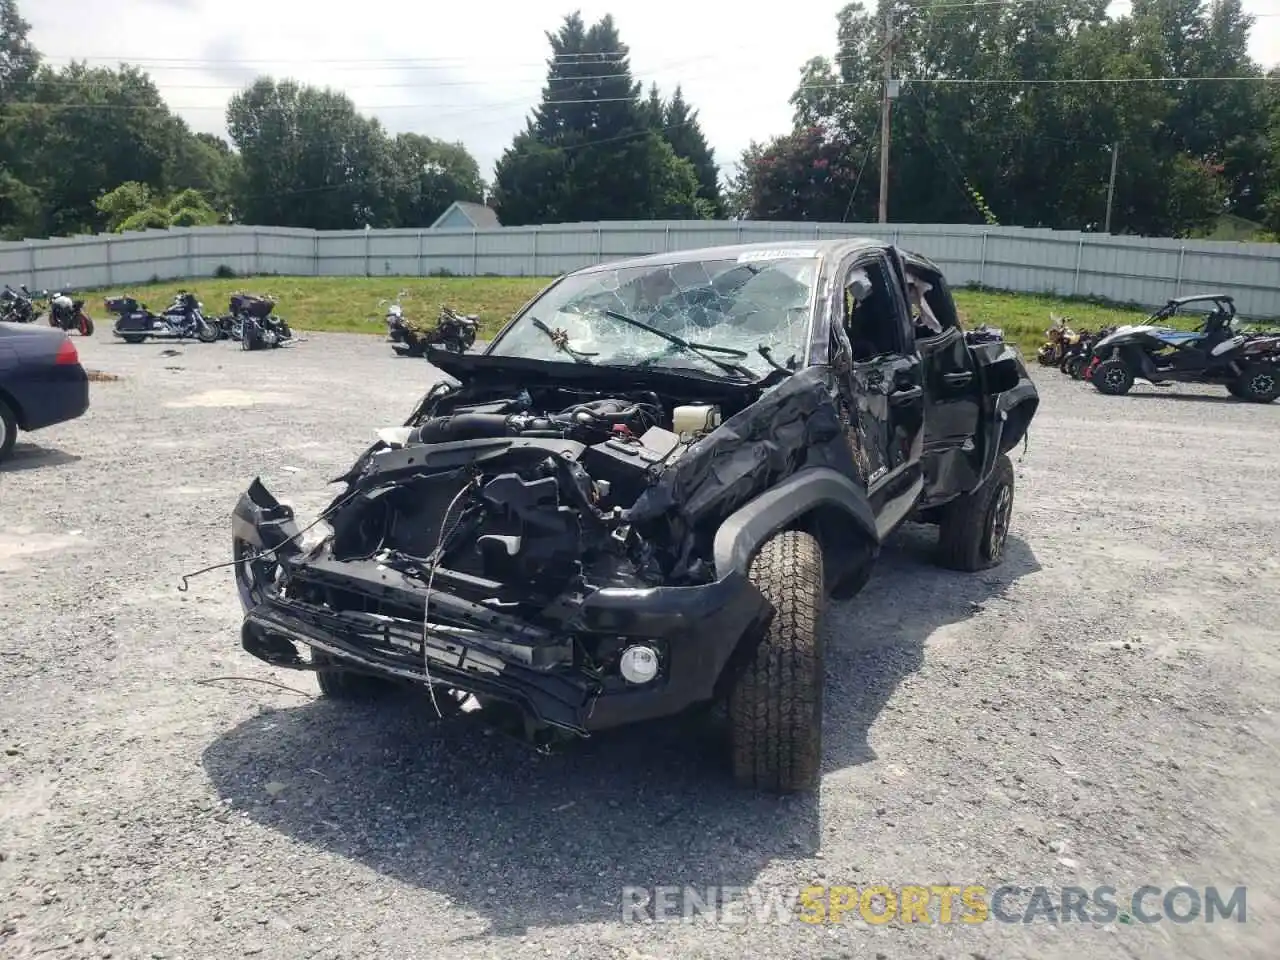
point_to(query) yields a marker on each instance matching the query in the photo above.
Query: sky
(460, 71)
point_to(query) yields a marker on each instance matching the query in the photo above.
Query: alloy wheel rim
(1115, 377)
(999, 530)
(1262, 383)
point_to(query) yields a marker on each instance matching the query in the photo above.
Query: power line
(393, 182)
(837, 85)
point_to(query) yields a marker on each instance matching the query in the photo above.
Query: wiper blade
(561, 340)
(765, 352)
(701, 349)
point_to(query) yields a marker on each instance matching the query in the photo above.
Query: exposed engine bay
(532, 490)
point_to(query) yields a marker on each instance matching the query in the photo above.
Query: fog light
(638, 664)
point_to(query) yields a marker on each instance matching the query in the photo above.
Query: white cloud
(463, 71)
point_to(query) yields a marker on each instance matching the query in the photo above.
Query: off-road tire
(8, 431)
(965, 533)
(775, 706)
(1113, 377)
(339, 684)
(1258, 384)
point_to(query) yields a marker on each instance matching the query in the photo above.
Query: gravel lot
(1099, 710)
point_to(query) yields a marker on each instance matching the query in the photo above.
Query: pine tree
(591, 150)
(683, 132)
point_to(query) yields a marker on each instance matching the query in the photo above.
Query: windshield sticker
(782, 253)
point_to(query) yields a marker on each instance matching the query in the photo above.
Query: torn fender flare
(262, 521)
(746, 530)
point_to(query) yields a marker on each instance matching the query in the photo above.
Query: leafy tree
(992, 122)
(310, 160)
(80, 131)
(132, 206)
(428, 176)
(591, 151)
(19, 60)
(125, 201)
(809, 174)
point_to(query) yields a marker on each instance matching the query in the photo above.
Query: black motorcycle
(18, 306)
(69, 314)
(182, 320)
(984, 334)
(253, 324)
(453, 331)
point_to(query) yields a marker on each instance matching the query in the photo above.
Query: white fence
(1123, 269)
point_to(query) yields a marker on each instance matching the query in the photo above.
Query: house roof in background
(481, 217)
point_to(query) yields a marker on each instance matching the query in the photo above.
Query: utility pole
(884, 114)
(1111, 185)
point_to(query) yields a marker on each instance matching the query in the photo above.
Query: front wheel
(1075, 367)
(337, 683)
(1113, 377)
(206, 332)
(975, 526)
(8, 431)
(775, 706)
(1258, 384)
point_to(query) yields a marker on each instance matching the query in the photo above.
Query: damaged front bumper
(699, 633)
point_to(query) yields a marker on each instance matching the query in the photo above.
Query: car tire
(8, 431)
(338, 684)
(1259, 384)
(1113, 377)
(975, 526)
(775, 705)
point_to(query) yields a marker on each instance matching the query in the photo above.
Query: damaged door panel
(619, 510)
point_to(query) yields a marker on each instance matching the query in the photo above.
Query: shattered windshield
(713, 316)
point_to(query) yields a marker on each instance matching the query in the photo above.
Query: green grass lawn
(350, 304)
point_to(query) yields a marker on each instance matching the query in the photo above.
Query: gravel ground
(1099, 710)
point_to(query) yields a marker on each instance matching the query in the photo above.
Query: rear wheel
(975, 526)
(1113, 377)
(1259, 384)
(86, 325)
(775, 707)
(134, 338)
(8, 431)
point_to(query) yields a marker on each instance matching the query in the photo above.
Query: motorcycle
(18, 306)
(252, 323)
(182, 320)
(1076, 358)
(1248, 365)
(984, 334)
(1051, 352)
(454, 331)
(68, 314)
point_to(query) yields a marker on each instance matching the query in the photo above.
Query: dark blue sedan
(41, 381)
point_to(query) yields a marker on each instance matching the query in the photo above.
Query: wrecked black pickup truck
(638, 497)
